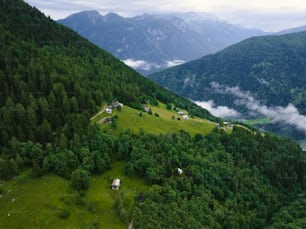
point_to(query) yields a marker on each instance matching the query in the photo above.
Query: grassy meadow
(167, 121)
(49, 202)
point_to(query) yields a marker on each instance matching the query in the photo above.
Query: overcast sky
(269, 15)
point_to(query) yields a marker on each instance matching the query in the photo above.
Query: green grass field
(167, 122)
(37, 203)
(257, 121)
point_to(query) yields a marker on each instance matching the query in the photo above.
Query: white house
(108, 110)
(185, 116)
(116, 184)
(179, 171)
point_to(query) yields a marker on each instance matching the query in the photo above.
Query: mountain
(292, 30)
(150, 42)
(58, 157)
(258, 77)
(53, 81)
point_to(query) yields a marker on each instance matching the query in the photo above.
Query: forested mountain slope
(49, 73)
(271, 68)
(53, 81)
(259, 77)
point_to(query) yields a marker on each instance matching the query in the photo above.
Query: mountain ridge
(56, 165)
(154, 39)
(251, 76)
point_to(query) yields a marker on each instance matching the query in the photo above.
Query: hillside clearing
(161, 121)
(37, 203)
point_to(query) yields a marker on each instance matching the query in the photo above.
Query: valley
(88, 142)
(261, 77)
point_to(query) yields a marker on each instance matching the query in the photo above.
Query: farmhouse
(146, 108)
(107, 120)
(108, 110)
(116, 184)
(181, 113)
(116, 104)
(185, 116)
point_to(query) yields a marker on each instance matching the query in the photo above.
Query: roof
(116, 182)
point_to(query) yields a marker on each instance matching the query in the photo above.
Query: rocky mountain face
(153, 42)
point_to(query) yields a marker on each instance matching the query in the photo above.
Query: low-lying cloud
(148, 66)
(289, 114)
(140, 64)
(172, 63)
(219, 111)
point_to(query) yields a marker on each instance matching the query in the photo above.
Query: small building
(107, 120)
(181, 113)
(146, 108)
(116, 104)
(185, 116)
(116, 184)
(179, 171)
(108, 110)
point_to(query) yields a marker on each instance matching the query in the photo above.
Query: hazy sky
(269, 15)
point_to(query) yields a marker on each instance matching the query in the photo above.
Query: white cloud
(148, 66)
(138, 64)
(289, 114)
(219, 111)
(172, 63)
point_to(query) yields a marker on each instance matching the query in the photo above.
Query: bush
(91, 207)
(63, 214)
(94, 225)
(1, 189)
(79, 201)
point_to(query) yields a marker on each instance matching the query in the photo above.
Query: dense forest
(53, 81)
(228, 181)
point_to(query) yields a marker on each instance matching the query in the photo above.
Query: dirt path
(131, 224)
(96, 115)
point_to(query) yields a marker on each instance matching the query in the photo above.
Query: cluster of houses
(113, 105)
(224, 125)
(183, 115)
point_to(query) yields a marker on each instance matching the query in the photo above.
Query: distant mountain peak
(112, 17)
(88, 13)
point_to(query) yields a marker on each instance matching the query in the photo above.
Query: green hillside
(56, 165)
(160, 121)
(43, 203)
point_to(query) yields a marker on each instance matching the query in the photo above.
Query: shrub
(63, 214)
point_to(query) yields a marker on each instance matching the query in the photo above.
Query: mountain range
(152, 42)
(259, 77)
(61, 150)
